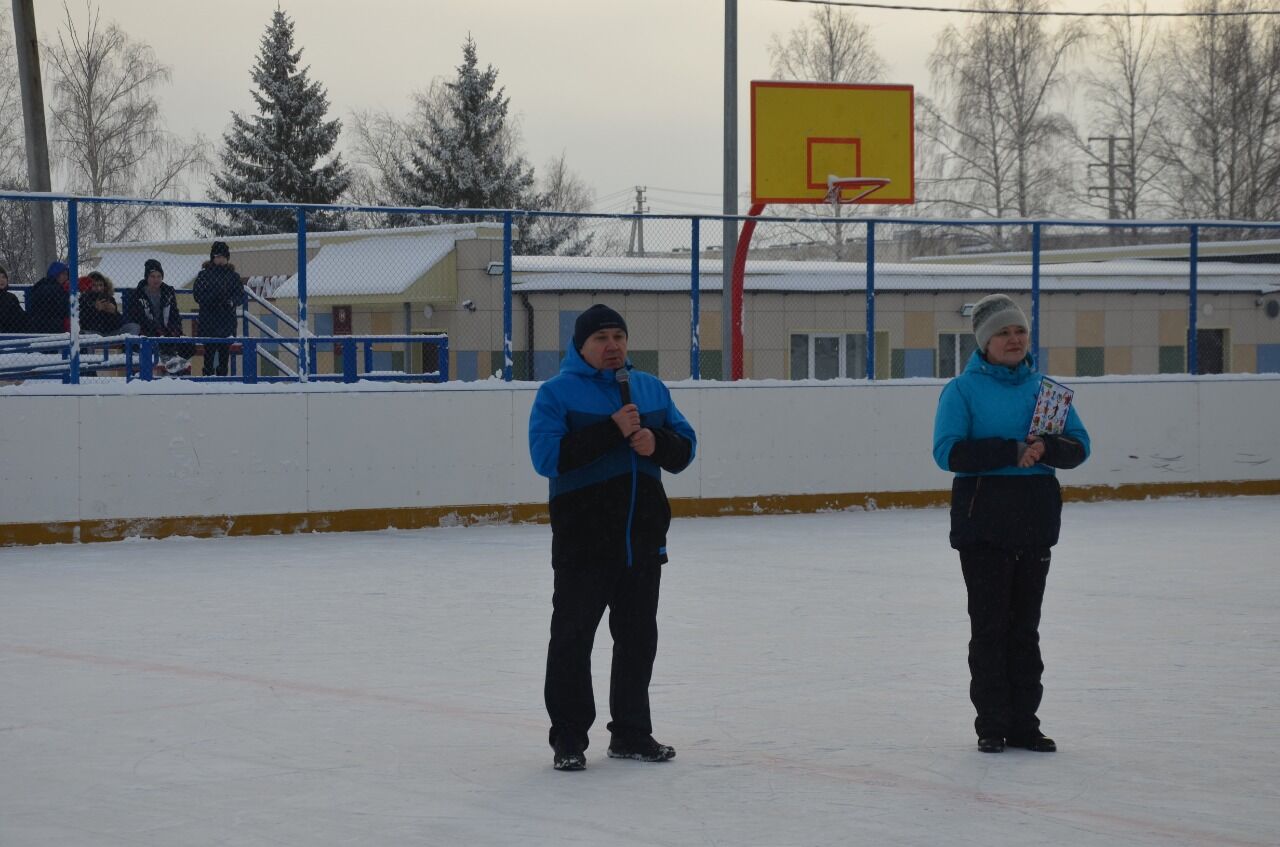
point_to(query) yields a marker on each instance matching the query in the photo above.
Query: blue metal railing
(304, 350)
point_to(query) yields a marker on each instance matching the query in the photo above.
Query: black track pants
(1005, 588)
(582, 594)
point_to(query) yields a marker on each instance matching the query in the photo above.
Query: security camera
(469, 305)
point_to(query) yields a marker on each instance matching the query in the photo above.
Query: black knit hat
(593, 320)
(219, 248)
(151, 265)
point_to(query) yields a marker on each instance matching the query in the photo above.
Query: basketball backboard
(804, 133)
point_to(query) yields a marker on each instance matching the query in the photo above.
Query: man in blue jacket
(603, 433)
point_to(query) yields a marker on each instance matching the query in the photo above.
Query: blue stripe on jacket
(581, 395)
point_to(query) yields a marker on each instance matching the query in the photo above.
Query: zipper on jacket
(631, 508)
(974, 498)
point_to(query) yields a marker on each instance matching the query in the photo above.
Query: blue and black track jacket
(608, 505)
(982, 416)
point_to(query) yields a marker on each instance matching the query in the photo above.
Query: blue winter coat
(983, 415)
(607, 502)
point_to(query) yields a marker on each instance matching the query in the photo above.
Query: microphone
(624, 384)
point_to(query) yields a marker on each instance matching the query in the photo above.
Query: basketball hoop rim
(862, 185)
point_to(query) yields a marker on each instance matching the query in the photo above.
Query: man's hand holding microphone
(628, 418)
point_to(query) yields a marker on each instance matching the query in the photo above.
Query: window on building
(836, 355)
(954, 350)
(1090, 361)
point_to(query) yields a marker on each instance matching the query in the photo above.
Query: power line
(1034, 13)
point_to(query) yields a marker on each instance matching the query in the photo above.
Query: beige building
(1099, 314)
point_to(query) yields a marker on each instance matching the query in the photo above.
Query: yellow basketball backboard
(803, 133)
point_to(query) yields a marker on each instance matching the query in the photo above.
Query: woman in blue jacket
(603, 433)
(1006, 509)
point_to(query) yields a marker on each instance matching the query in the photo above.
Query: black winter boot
(569, 756)
(1037, 742)
(643, 749)
(991, 744)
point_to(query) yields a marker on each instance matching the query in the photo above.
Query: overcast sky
(630, 90)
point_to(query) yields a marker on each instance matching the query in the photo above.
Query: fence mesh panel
(422, 293)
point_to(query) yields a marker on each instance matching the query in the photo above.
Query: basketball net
(847, 190)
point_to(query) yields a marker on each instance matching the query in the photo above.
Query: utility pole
(729, 229)
(636, 246)
(28, 53)
(1112, 166)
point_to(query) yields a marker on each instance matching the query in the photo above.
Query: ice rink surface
(386, 689)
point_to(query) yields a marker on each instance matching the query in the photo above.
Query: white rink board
(175, 450)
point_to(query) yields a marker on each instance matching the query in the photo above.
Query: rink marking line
(271, 683)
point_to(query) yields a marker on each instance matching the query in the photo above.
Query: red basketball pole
(739, 271)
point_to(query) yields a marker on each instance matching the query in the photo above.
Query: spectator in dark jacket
(99, 311)
(154, 309)
(218, 290)
(604, 454)
(48, 301)
(12, 317)
(1006, 509)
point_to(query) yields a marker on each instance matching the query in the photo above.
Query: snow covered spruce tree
(468, 157)
(276, 155)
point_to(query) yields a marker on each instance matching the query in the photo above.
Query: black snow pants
(582, 593)
(1006, 587)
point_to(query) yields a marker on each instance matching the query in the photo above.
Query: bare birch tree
(16, 247)
(107, 124)
(994, 122)
(1223, 139)
(1128, 92)
(12, 143)
(830, 46)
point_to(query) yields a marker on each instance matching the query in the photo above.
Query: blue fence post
(147, 359)
(695, 277)
(349, 361)
(73, 288)
(506, 297)
(443, 347)
(1193, 347)
(250, 360)
(871, 300)
(1035, 297)
(302, 294)
(367, 344)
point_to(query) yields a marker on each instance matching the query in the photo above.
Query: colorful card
(1052, 404)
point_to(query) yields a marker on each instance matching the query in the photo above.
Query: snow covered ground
(386, 689)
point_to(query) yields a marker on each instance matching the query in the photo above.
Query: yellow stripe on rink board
(368, 520)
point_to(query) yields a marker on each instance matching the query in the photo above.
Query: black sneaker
(991, 744)
(643, 749)
(569, 756)
(1035, 742)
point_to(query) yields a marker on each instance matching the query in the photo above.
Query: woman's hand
(1031, 451)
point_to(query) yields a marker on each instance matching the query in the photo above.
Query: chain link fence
(136, 290)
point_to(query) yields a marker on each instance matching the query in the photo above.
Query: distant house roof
(556, 273)
(378, 264)
(124, 267)
(347, 263)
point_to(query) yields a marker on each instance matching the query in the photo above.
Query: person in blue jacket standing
(603, 433)
(1006, 510)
